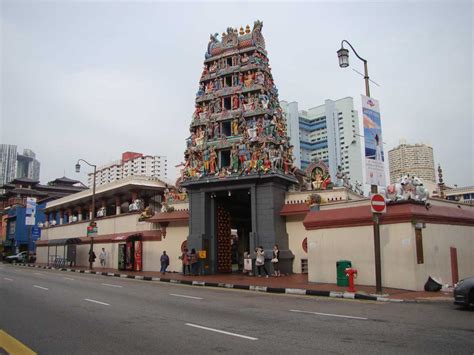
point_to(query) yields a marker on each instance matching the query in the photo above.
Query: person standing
(260, 261)
(103, 257)
(194, 261)
(165, 261)
(275, 261)
(185, 259)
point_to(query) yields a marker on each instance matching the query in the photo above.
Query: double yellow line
(13, 346)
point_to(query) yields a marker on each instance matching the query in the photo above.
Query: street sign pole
(378, 206)
(378, 264)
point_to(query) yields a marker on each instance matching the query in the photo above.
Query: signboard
(374, 154)
(30, 213)
(202, 254)
(36, 232)
(92, 231)
(377, 204)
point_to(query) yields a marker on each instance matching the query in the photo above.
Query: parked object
(433, 285)
(20, 257)
(464, 292)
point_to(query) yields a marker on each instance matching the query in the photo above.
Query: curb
(255, 288)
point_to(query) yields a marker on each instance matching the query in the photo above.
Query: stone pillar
(79, 214)
(90, 211)
(69, 215)
(117, 204)
(61, 217)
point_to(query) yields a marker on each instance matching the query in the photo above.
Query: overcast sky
(92, 79)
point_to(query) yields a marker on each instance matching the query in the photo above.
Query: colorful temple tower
(238, 160)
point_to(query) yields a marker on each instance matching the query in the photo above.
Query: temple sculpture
(238, 127)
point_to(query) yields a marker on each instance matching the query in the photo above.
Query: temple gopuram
(238, 159)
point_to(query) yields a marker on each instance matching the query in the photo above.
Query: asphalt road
(55, 312)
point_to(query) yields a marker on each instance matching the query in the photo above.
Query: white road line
(110, 285)
(38, 273)
(6, 278)
(328, 314)
(43, 288)
(221, 331)
(68, 278)
(94, 301)
(194, 298)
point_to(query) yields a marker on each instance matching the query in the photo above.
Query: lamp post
(343, 55)
(92, 222)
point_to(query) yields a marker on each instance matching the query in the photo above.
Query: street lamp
(92, 222)
(343, 55)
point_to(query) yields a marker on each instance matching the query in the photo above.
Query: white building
(131, 164)
(329, 132)
(413, 159)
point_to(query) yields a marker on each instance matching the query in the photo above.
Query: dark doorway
(232, 231)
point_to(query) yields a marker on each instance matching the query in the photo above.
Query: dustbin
(342, 279)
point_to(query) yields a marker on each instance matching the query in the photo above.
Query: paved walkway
(292, 282)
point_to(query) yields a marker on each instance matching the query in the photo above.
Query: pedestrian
(275, 261)
(102, 257)
(185, 260)
(260, 261)
(165, 261)
(247, 264)
(194, 261)
(92, 258)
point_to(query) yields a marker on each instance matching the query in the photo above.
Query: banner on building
(374, 154)
(30, 213)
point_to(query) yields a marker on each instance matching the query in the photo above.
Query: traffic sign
(377, 204)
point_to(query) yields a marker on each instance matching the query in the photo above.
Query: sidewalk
(292, 284)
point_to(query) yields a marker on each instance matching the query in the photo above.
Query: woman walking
(275, 261)
(260, 261)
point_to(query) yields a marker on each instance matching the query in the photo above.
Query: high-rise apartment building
(131, 164)
(329, 132)
(7, 163)
(414, 159)
(14, 165)
(27, 166)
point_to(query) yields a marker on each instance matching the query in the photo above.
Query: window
(224, 158)
(225, 128)
(227, 103)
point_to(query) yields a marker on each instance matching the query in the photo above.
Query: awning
(64, 241)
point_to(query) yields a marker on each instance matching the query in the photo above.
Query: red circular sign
(378, 203)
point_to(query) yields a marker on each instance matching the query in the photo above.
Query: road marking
(38, 273)
(13, 346)
(94, 301)
(194, 298)
(68, 278)
(6, 278)
(43, 288)
(328, 314)
(110, 285)
(221, 331)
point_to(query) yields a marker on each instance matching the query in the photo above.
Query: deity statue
(205, 158)
(212, 43)
(201, 90)
(212, 161)
(244, 59)
(248, 81)
(259, 78)
(234, 159)
(267, 164)
(235, 102)
(235, 127)
(264, 100)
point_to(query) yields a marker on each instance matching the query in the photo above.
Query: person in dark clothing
(165, 261)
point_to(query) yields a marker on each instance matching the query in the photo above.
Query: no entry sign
(377, 204)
